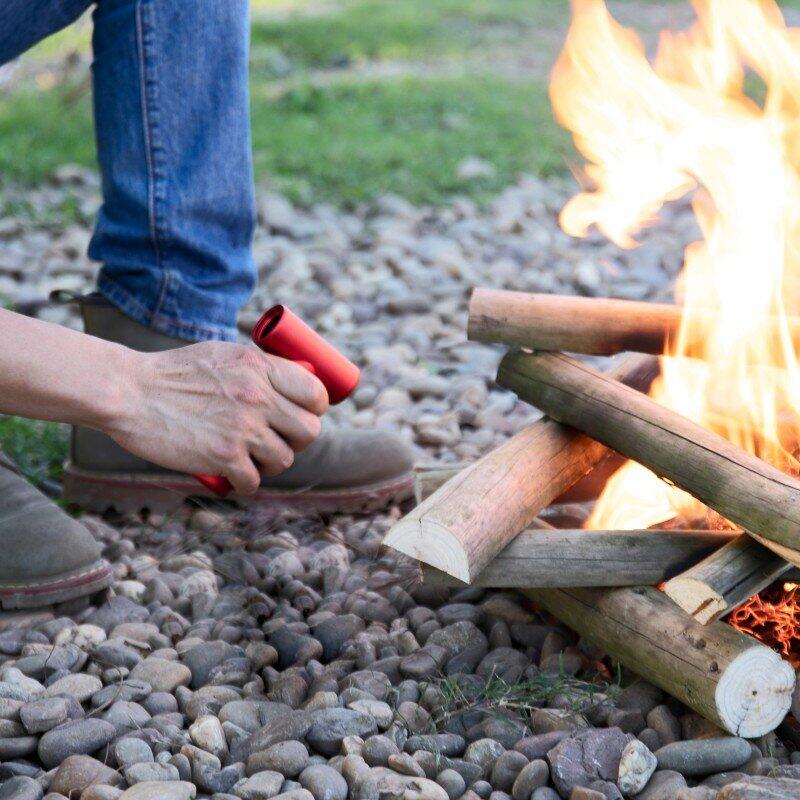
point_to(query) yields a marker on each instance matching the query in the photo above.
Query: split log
(727, 676)
(591, 325)
(725, 579)
(539, 559)
(742, 488)
(430, 477)
(462, 526)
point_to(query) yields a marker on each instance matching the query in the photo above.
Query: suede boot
(46, 557)
(344, 470)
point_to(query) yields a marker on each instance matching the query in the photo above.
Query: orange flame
(653, 132)
(772, 618)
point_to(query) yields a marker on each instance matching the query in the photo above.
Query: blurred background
(404, 150)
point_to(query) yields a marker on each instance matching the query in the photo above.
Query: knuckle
(319, 398)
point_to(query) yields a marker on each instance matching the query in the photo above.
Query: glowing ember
(653, 132)
(772, 617)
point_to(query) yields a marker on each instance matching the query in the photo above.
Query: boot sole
(130, 492)
(56, 588)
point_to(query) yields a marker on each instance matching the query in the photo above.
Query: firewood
(591, 325)
(724, 675)
(744, 489)
(725, 579)
(558, 558)
(462, 526)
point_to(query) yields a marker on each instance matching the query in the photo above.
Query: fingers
(298, 385)
(243, 475)
(296, 425)
(272, 453)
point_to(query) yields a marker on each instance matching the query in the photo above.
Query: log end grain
(755, 692)
(431, 543)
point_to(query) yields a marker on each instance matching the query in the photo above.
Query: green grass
(349, 142)
(38, 448)
(345, 142)
(405, 29)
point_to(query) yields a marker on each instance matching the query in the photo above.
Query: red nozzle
(284, 334)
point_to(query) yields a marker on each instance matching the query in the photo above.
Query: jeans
(172, 125)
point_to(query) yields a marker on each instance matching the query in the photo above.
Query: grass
(353, 141)
(464, 693)
(38, 448)
(347, 137)
(380, 30)
(345, 142)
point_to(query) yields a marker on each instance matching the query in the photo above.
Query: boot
(46, 556)
(344, 470)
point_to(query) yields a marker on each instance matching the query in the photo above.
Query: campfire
(680, 571)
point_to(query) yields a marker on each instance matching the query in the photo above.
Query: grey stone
(704, 756)
(447, 744)
(260, 786)
(636, 766)
(324, 782)
(331, 725)
(78, 737)
(452, 783)
(531, 777)
(152, 771)
(157, 790)
(761, 788)
(39, 716)
(506, 769)
(128, 750)
(75, 773)
(664, 785)
(289, 758)
(161, 674)
(377, 749)
(21, 788)
(203, 658)
(484, 753)
(590, 755)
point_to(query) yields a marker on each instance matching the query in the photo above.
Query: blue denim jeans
(172, 125)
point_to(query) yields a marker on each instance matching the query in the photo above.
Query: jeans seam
(151, 145)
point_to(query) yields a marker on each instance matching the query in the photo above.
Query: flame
(772, 618)
(650, 133)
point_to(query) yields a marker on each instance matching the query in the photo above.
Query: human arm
(212, 407)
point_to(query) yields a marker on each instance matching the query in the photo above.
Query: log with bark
(591, 325)
(728, 677)
(725, 579)
(557, 558)
(462, 526)
(744, 489)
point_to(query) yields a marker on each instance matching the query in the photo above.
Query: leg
(173, 140)
(23, 23)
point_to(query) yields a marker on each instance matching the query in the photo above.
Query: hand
(216, 408)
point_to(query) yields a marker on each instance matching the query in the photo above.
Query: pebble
(531, 777)
(77, 737)
(636, 766)
(324, 782)
(162, 675)
(289, 758)
(704, 756)
(75, 773)
(157, 790)
(21, 788)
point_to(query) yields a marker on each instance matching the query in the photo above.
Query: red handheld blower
(282, 333)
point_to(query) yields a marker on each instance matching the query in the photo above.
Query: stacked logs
(481, 524)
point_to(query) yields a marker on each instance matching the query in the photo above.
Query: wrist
(118, 391)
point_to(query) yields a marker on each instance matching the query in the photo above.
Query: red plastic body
(282, 333)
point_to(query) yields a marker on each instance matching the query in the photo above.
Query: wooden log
(539, 559)
(591, 325)
(430, 477)
(462, 526)
(727, 676)
(725, 579)
(744, 489)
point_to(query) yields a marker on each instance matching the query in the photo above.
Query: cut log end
(431, 543)
(696, 598)
(755, 692)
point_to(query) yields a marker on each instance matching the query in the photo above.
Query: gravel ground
(260, 654)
